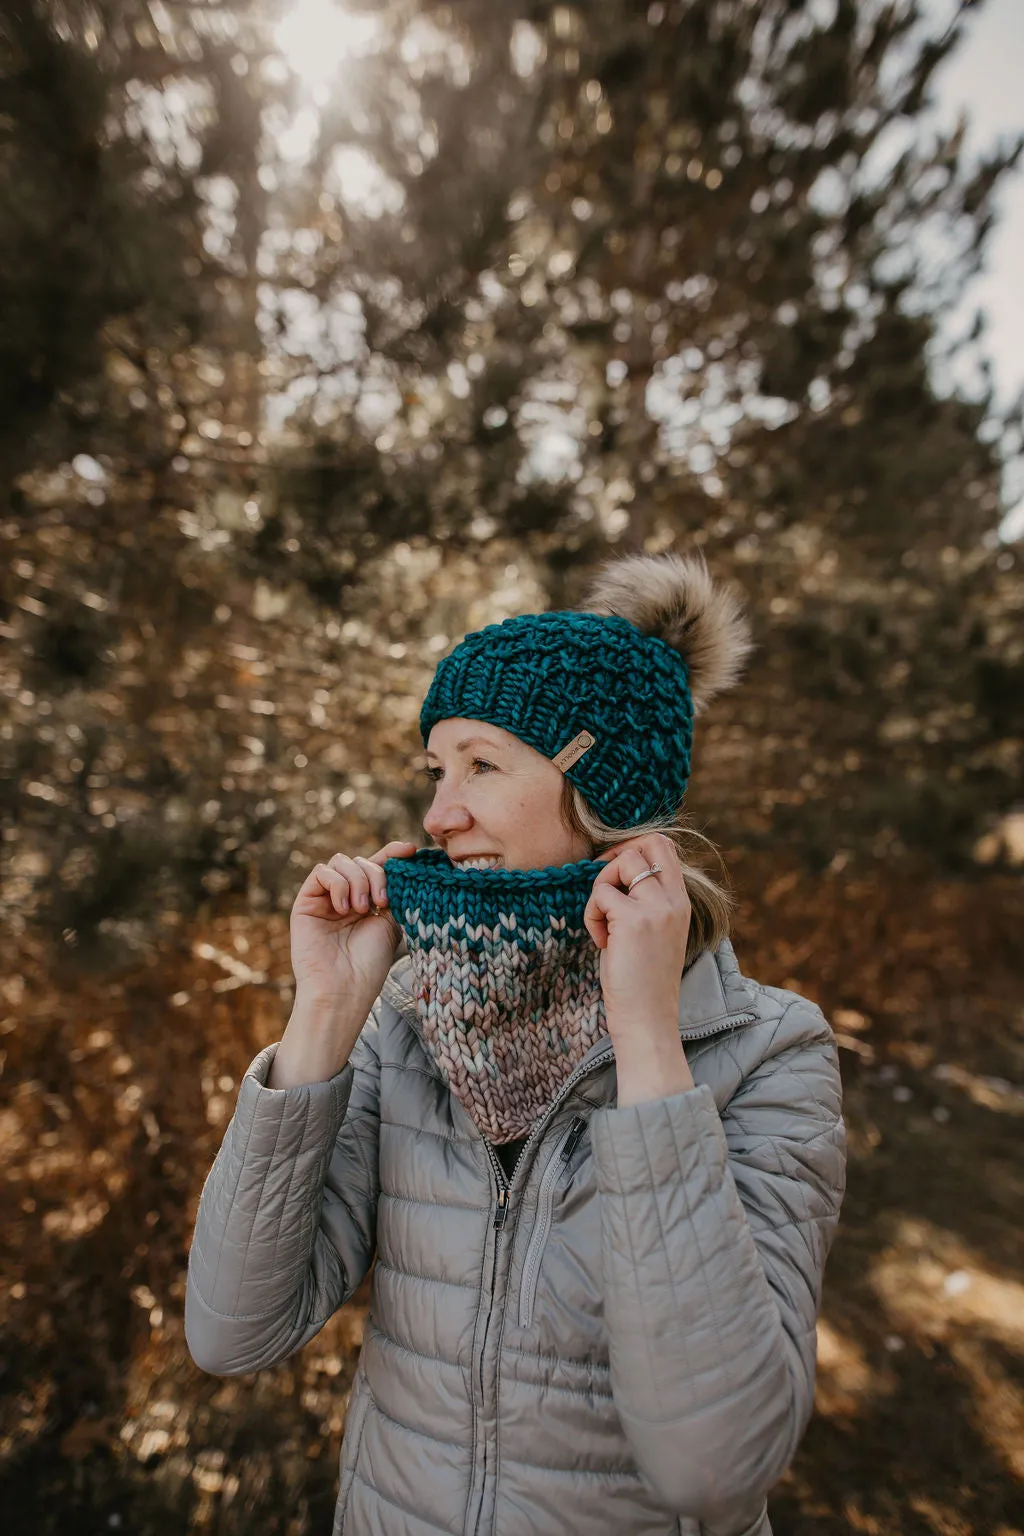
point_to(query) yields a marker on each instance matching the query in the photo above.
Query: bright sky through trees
(315, 38)
(983, 80)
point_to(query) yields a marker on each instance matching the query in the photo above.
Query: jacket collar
(713, 994)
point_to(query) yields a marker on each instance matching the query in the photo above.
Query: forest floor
(117, 1091)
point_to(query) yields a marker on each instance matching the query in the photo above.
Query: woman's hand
(343, 942)
(642, 938)
(343, 938)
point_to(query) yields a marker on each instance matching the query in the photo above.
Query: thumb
(600, 908)
(606, 901)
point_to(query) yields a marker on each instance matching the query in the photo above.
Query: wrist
(317, 1040)
(650, 1065)
(316, 1002)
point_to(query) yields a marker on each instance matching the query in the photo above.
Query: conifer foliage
(302, 353)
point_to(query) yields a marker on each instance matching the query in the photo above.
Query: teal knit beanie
(608, 692)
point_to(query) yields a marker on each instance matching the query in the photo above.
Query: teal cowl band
(547, 677)
(505, 978)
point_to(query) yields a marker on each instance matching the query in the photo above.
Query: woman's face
(495, 795)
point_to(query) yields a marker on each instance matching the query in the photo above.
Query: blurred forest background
(326, 336)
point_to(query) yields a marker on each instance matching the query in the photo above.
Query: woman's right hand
(341, 949)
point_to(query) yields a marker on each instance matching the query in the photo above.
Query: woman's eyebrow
(469, 742)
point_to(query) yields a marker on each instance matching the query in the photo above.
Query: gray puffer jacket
(621, 1339)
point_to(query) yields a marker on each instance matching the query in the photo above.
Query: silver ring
(655, 869)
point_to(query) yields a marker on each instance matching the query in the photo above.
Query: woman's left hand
(642, 937)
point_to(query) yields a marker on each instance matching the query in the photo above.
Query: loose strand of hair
(711, 900)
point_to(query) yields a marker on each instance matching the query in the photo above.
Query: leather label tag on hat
(574, 750)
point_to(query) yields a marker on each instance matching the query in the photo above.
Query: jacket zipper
(605, 1055)
(557, 1164)
(498, 1223)
(583, 1070)
(602, 1058)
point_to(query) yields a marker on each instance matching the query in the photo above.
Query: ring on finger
(645, 874)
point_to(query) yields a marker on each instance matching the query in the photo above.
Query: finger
(396, 850)
(608, 901)
(334, 886)
(348, 869)
(596, 924)
(376, 883)
(598, 930)
(608, 907)
(655, 847)
(357, 873)
(636, 843)
(664, 861)
(623, 868)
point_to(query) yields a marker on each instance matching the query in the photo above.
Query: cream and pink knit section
(506, 980)
(506, 1019)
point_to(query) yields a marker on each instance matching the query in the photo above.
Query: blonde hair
(711, 902)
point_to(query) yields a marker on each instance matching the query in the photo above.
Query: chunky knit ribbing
(506, 980)
(545, 677)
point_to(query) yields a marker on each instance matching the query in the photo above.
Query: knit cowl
(505, 979)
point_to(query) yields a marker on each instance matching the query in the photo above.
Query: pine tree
(288, 377)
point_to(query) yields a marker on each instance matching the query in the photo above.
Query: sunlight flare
(315, 37)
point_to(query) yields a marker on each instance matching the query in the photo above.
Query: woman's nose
(446, 814)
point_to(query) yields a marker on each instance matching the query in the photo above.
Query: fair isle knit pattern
(545, 677)
(506, 980)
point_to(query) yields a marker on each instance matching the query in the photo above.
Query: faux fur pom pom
(675, 598)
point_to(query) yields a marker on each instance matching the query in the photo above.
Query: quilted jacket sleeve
(714, 1235)
(286, 1226)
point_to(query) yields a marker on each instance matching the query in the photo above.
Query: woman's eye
(435, 773)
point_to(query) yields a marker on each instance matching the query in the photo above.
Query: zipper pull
(572, 1141)
(501, 1211)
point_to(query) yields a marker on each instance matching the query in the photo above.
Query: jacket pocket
(352, 1438)
(557, 1164)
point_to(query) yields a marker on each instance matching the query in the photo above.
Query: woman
(598, 1169)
